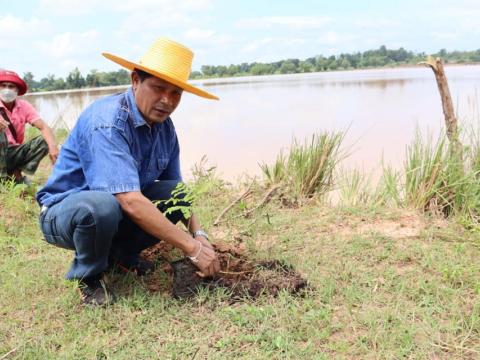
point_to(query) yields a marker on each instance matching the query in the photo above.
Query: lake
(256, 117)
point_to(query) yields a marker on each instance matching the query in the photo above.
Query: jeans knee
(100, 209)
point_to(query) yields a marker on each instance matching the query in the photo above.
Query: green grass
(308, 169)
(434, 180)
(388, 283)
(441, 181)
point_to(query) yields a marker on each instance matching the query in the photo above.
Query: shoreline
(248, 78)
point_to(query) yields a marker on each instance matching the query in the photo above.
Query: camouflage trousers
(25, 157)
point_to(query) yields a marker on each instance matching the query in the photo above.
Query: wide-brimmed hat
(11, 76)
(167, 60)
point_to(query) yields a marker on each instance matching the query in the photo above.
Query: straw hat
(11, 76)
(167, 60)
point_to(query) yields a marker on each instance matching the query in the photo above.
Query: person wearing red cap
(15, 155)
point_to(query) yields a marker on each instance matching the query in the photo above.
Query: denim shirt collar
(137, 117)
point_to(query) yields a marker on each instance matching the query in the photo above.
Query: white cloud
(206, 38)
(377, 23)
(256, 44)
(444, 35)
(333, 38)
(270, 49)
(295, 22)
(165, 6)
(76, 7)
(21, 35)
(12, 28)
(329, 38)
(167, 20)
(198, 34)
(471, 25)
(68, 7)
(70, 44)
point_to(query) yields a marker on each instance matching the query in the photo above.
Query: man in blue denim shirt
(122, 154)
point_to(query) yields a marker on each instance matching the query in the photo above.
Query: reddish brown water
(258, 116)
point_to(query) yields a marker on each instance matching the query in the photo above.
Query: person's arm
(193, 224)
(47, 134)
(146, 215)
(109, 165)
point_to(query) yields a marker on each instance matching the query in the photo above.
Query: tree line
(381, 57)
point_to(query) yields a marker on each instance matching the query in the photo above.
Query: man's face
(155, 98)
(8, 92)
(8, 85)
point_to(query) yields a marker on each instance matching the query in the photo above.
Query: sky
(55, 36)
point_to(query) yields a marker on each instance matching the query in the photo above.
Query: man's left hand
(204, 241)
(53, 154)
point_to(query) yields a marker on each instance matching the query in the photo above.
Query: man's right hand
(206, 260)
(3, 124)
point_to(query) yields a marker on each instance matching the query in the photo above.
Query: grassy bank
(389, 282)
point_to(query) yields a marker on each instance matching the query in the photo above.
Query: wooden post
(450, 119)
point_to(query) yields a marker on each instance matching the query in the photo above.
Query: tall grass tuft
(426, 186)
(308, 168)
(388, 191)
(356, 189)
(442, 181)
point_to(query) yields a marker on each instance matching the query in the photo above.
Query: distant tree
(47, 83)
(399, 55)
(123, 77)
(305, 67)
(244, 67)
(371, 58)
(233, 70)
(476, 56)
(262, 69)
(221, 71)
(195, 75)
(288, 67)
(332, 63)
(31, 83)
(321, 63)
(93, 79)
(75, 79)
(344, 63)
(59, 84)
(208, 70)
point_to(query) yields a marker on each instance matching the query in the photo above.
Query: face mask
(8, 95)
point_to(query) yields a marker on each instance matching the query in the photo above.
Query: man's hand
(204, 241)
(53, 154)
(47, 134)
(3, 124)
(146, 215)
(206, 260)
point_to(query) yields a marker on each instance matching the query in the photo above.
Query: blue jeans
(93, 225)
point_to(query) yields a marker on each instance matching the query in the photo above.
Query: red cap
(11, 76)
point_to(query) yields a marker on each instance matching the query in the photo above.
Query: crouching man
(15, 155)
(122, 154)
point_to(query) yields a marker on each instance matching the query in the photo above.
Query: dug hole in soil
(243, 278)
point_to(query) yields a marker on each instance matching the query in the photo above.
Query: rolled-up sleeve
(108, 163)
(31, 115)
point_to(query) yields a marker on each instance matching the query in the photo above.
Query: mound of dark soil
(243, 278)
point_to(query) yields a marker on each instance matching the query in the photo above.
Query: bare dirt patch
(405, 226)
(241, 277)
